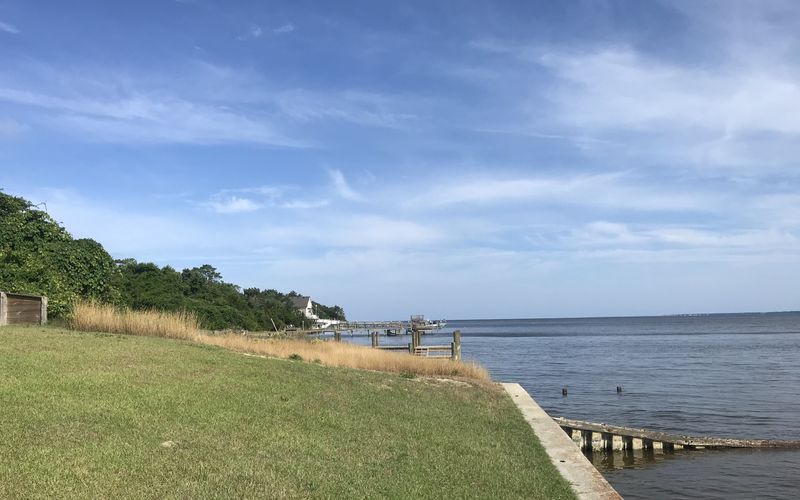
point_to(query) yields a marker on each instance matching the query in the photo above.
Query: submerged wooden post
(627, 443)
(586, 440)
(608, 441)
(374, 339)
(455, 347)
(337, 335)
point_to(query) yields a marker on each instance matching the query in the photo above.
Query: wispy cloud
(341, 186)
(255, 31)
(103, 110)
(620, 88)
(304, 204)
(609, 190)
(361, 108)
(283, 29)
(233, 205)
(665, 237)
(736, 109)
(8, 28)
(248, 199)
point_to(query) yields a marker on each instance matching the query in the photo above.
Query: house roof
(300, 302)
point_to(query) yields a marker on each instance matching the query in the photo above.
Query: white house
(304, 305)
(306, 308)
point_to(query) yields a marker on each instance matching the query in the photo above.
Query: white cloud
(304, 204)
(733, 105)
(666, 237)
(288, 197)
(233, 205)
(618, 88)
(8, 28)
(345, 230)
(611, 190)
(95, 113)
(360, 108)
(286, 28)
(342, 188)
(254, 31)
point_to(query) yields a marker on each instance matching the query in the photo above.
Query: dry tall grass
(350, 355)
(88, 316)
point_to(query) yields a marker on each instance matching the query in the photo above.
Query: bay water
(721, 375)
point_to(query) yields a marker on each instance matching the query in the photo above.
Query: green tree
(38, 256)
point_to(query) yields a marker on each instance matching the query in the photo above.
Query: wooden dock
(415, 347)
(612, 437)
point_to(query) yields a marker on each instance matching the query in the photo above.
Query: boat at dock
(419, 323)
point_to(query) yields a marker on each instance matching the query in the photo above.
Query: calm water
(727, 375)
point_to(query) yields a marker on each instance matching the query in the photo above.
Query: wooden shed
(18, 308)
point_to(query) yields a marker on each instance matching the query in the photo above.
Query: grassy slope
(85, 415)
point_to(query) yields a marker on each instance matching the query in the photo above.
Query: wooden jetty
(391, 328)
(367, 325)
(613, 437)
(415, 347)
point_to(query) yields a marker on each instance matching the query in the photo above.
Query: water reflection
(606, 461)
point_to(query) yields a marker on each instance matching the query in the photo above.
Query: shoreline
(586, 481)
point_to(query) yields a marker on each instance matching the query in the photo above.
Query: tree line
(39, 256)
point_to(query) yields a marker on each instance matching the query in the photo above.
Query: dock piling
(586, 440)
(627, 443)
(608, 441)
(455, 346)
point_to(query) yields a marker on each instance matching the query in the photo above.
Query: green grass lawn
(88, 415)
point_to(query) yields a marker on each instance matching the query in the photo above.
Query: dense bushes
(38, 256)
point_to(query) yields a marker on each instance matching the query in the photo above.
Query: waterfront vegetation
(39, 256)
(89, 316)
(107, 415)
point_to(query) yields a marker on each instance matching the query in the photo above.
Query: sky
(455, 159)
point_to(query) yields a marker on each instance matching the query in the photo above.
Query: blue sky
(455, 159)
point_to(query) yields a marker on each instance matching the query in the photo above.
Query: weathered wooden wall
(17, 309)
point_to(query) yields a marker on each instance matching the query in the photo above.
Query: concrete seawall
(585, 480)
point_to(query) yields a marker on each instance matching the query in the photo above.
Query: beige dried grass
(93, 317)
(350, 355)
(89, 316)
